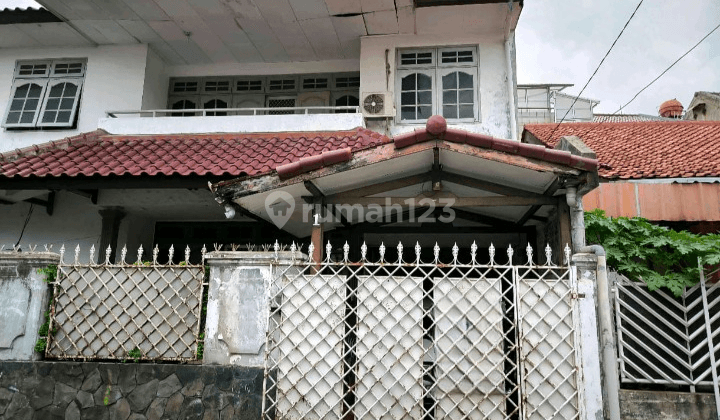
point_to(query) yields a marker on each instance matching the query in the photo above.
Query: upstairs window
(437, 81)
(45, 94)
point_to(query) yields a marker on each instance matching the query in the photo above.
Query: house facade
(329, 67)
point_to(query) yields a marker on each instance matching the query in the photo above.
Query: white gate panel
(547, 342)
(389, 348)
(309, 343)
(469, 348)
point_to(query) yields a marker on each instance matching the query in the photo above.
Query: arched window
(183, 104)
(215, 104)
(346, 100)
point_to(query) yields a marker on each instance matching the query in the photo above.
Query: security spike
(77, 254)
(32, 247)
(455, 253)
(382, 252)
(293, 250)
(548, 255)
(171, 254)
(567, 254)
(346, 252)
(491, 252)
(311, 252)
(108, 251)
(92, 254)
(123, 254)
(400, 252)
(510, 252)
(328, 251)
(187, 254)
(276, 248)
(436, 252)
(62, 253)
(418, 249)
(363, 251)
(473, 252)
(529, 251)
(140, 254)
(48, 247)
(203, 251)
(156, 252)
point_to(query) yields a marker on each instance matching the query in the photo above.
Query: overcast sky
(563, 42)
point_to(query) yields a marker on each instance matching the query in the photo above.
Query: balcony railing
(235, 111)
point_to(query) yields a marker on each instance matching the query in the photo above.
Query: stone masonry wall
(128, 391)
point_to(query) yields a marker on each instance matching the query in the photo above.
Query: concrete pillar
(585, 271)
(238, 305)
(23, 302)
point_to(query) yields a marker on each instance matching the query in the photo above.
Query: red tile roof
(99, 153)
(650, 149)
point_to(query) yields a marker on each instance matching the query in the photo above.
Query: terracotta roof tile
(648, 149)
(99, 153)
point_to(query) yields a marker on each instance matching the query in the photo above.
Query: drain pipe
(611, 376)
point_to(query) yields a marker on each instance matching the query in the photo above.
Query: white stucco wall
(155, 87)
(114, 80)
(493, 76)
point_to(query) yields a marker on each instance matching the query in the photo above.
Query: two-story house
(116, 119)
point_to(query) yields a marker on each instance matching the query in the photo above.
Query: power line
(655, 79)
(598, 67)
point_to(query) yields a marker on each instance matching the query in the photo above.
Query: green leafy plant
(40, 345)
(135, 354)
(50, 273)
(200, 346)
(106, 399)
(657, 255)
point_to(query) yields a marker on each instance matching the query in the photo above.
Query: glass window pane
(22, 91)
(466, 80)
(450, 111)
(450, 81)
(408, 82)
(67, 103)
(424, 112)
(48, 117)
(466, 111)
(407, 98)
(449, 97)
(31, 105)
(407, 113)
(13, 117)
(465, 56)
(424, 58)
(63, 116)
(52, 104)
(466, 96)
(70, 89)
(16, 105)
(424, 98)
(424, 82)
(57, 90)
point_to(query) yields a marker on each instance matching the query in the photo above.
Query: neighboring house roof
(650, 149)
(237, 154)
(629, 118)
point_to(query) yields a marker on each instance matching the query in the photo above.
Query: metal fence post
(711, 347)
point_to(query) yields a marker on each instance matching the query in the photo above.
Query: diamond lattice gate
(416, 340)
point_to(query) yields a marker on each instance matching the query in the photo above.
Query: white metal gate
(415, 340)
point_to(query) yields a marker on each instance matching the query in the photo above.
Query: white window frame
(46, 80)
(262, 90)
(328, 86)
(171, 90)
(282, 91)
(281, 97)
(16, 86)
(208, 98)
(437, 69)
(53, 82)
(192, 98)
(203, 88)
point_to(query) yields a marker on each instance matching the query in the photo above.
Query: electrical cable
(27, 220)
(652, 82)
(597, 68)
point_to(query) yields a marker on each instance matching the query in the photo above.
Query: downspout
(611, 376)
